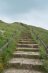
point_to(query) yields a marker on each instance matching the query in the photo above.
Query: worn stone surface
(29, 53)
(26, 61)
(20, 71)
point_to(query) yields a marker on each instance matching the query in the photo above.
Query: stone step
(27, 42)
(27, 49)
(25, 39)
(23, 54)
(14, 70)
(22, 63)
(28, 45)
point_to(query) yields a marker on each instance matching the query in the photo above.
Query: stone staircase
(26, 58)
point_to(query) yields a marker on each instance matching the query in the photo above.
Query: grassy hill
(17, 27)
(11, 33)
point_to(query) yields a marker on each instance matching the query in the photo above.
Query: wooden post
(7, 42)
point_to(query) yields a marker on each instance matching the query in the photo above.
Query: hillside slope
(9, 28)
(42, 33)
(13, 32)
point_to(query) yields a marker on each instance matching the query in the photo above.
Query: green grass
(43, 34)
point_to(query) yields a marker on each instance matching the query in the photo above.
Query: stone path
(26, 58)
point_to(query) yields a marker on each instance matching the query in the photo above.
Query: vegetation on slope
(11, 32)
(43, 35)
(11, 35)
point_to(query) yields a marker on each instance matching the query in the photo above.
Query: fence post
(7, 42)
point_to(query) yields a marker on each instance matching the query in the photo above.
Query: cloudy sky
(32, 12)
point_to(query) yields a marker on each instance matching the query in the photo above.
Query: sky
(32, 12)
